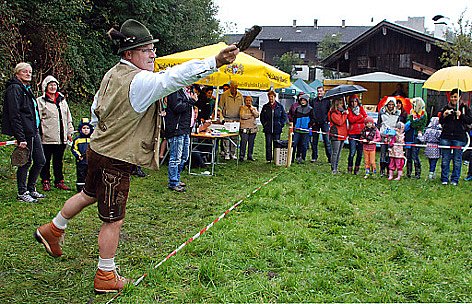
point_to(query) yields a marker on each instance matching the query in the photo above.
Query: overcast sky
(245, 13)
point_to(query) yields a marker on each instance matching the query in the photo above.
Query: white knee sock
(59, 221)
(106, 264)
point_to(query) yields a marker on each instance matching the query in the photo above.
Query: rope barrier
(197, 235)
(384, 143)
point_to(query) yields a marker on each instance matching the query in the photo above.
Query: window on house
(362, 62)
(298, 69)
(372, 62)
(405, 61)
(302, 55)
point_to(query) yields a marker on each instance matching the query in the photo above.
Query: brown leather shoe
(51, 237)
(109, 281)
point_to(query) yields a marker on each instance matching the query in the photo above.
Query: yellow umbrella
(249, 72)
(447, 79)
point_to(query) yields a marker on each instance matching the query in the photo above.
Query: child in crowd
(370, 134)
(303, 119)
(396, 153)
(79, 149)
(431, 138)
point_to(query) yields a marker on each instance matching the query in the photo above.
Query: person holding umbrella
(453, 118)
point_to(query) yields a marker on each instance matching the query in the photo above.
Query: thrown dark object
(248, 37)
(19, 156)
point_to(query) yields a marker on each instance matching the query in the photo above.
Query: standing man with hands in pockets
(124, 113)
(321, 108)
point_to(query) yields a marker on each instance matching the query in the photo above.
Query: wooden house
(388, 47)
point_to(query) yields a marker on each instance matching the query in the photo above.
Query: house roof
(331, 59)
(310, 33)
(298, 34)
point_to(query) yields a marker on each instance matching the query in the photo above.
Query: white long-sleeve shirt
(147, 87)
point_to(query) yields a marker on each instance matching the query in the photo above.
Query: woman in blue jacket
(303, 120)
(273, 118)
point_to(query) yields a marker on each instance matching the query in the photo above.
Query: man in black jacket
(21, 120)
(179, 113)
(320, 107)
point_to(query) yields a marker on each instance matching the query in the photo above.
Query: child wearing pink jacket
(396, 153)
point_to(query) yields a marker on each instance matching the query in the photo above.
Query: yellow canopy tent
(249, 72)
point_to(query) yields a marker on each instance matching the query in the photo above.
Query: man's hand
(23, 144)
(226, 55)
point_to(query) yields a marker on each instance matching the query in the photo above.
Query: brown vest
(122, 133)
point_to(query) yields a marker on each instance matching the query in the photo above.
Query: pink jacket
(396, 151)
(371, 147)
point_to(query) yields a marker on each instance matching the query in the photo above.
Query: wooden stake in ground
(289, 147)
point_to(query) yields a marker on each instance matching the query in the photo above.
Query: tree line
(67, 38)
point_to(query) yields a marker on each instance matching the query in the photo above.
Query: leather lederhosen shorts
(108, 180)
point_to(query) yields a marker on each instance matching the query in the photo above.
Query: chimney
(294, 23)
(343, 23)
(440, 29)
(315, 23)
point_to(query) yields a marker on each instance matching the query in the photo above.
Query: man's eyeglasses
(147, 51)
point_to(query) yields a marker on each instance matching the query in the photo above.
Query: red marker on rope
(7, 143)
(196, 236)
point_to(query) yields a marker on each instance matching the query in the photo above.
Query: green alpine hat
(135, 34)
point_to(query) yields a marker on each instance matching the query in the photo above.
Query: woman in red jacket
(356, 118)
(337, 117)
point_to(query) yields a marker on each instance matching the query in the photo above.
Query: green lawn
(307, 236)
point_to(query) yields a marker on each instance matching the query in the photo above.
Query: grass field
(307, 236)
